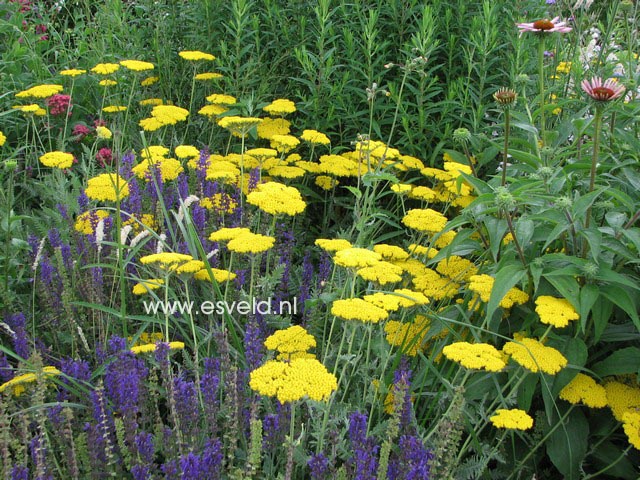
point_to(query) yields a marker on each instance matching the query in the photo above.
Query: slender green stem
(541, 88)
(594, 161)
(505, 154)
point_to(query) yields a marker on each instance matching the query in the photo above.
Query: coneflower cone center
(543, 25)
(603, 93)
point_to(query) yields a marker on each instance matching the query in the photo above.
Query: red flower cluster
(59, 104)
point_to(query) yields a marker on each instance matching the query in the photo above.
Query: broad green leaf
(589, 294)
(505, 279)
(622, 299)
(567, 286)
(611, 462)
(567, 444)
(621, 362)
(356, 192)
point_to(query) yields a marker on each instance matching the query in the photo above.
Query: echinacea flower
(545, 26)
(602, 92)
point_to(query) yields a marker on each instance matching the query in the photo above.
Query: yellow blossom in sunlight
(434, 286)
(381, 273)
(401, 297)
(325, 182)
(86, 222)
(333, 244)
(273, 126)
(221, 99)
(169, 168)
(107, 186)
(622, 398)
(186, 151)
(17, 384)
(208, 76)
(483, 285)
(555, 311)
(107, 83)
(512, 419)
(147, 82)
(358, 309)
(280, 107)
(286, 171)
(212, 110)
(151, 101)
(114, 109)
(456, 268)
(425, 220)
(195, 55)
(390, 252)
(137, 65)
(220, 202)
(103, 133)
(356, 257)
(475, 356)
(239, 126)
(251, 243)
(57, 159)
(228, 233)
(165, 258)
(276, 198)
(631, 426)
(284, 143)
(141, 288)
(151, 347)
(534, 356)
(72, 72)
(105, 68)
(584, 389)
(422, 193)
(314, 137)
(31, 108)
(410, 336)
(290, 340)
(216, 274)
(40, 91)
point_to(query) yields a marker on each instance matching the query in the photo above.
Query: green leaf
(622, 299)
(567, 444)
(526, 391)
(567, 286)
(612, 463)
(601, 313)
(588, 296)
(575, 351)
(620, 362)
(505, 279)
(356, 192)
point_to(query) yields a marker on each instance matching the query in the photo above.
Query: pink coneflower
(602, 92)
(545, 26)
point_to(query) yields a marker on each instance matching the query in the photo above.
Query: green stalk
(507, 127)
(541, 88)
(594, 160)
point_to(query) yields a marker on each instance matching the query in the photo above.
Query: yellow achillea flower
(434, 286)
(514, 419)
(401, 188)
(87, 221)
(105, 68)
(483, 284)
(564, 67)
(208, 76)
(286, 171)
(555, 311)
(147, 338)
(435, 173)
(31, 108)
(445, 239)
(169, 168)
(429, 252)
(381, 273)
(192, 266)
(165, 115)
(227, 233)
(390, 252)
(411, 163)
(294, 380)
(284, 143)
(220, 202)
(534, 356)
(409, 336)
(314, 137)
(401, 297)
(239, 126)
(146, 286)
(425, 220)
(107, 83)
(358, 309)
(137, 65)
(217, 274)
(273, 126)
(251, 243)
(355, 257)
(147, 82)
(338, 165)
(622, 399)
(166, 258)
(107, 186)
(154, 151)
(151, 347)
(475, 356)
(114, 108)
(40, 91)
(17, 384)
(151, 101)
(212, 110)
(456, 268)
(422, 193)
(280, 107)
(57, 159)
(325, 182)
(290, 340)
(72, 72)
(311, 167)
(103, 133)
(584, 389)
(631, 425)
(195, 55)
(333, 244)
(276, 198)
(3, 138)
(221, 99)
(186, 151)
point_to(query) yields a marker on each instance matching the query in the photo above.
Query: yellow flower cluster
(433, 285)
(251, 243)
(422, 193)
(355, 257)
(514, 419)
(107, 186)
(57, 159)
(401, 188)
(220, 202)
(31, 108)
(186, 151)
(114, 108)
(137, 65)
(286, 171)
(72, 72)
(17, 384)
(147, 82)
(338, 165)
(425, 220)
(483, 284)
(166, 258)
(555, 311)
(146, 286)
(390, 252)
(195, 55)
(290, 341)
(456, 268)
(228, 233)
(358, 309)
(622, 398)
(169, 168)
(162, 115)
(409, 336)
(3, 138)
(87, 221)
(276, 198)
(381, 273)
(314, 137)
(151, 347)
(208, 76)
(400, 297)
(294, 380)
(284, 143)
(239, 126)
(280, 107)
(216, 274)
(103, 133)
(475, 356)
(333, 244)
(631, 426)
(273, 126)
(534, 356)
(107, 82)
(564, 67)
(40, 91)
(221, 99)
(105, 68)
(584, 389)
